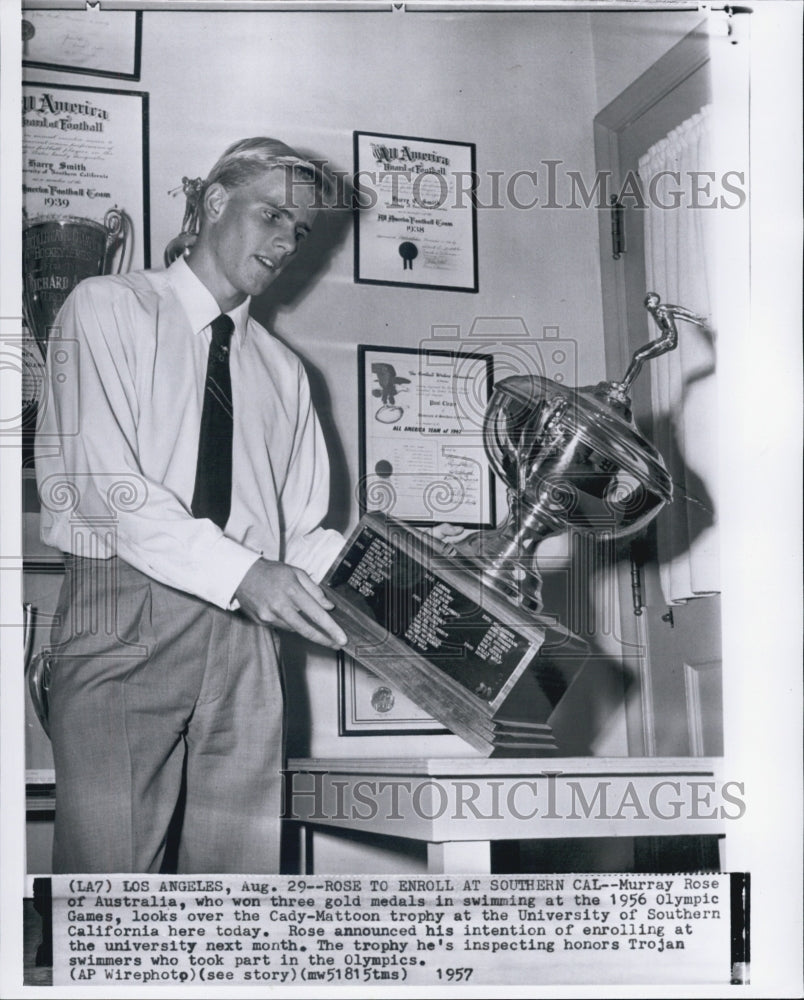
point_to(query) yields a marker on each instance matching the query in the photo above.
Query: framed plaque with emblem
(370, 706)
(421, 452)
(415, 212)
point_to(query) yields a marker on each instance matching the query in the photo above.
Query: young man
(187, 492)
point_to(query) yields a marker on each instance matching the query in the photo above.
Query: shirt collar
(199, 303)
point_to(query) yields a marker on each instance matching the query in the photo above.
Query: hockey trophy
(458, 628)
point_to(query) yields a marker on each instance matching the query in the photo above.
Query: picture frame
(421, 453)
(415, 217)
(90, 42)
(85, 150)
(368, 706)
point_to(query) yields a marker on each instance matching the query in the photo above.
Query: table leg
(305, 849)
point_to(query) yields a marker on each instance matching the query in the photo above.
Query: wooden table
(458, 807)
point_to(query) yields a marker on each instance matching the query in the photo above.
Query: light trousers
(153, 691)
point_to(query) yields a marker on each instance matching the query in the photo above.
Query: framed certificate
(422, 458)
(95, 42)
(369, 706)
(85, 151)
(415, 212)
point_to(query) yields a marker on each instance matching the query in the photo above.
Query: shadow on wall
(591, 702)
(303, 273)
(688, 487)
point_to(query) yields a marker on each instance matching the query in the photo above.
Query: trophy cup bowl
(60, 251)
(569, 458)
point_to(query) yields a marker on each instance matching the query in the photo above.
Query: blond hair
(240, 163)
(247, 158)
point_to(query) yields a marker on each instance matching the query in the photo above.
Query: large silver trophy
(570, 458)
(458, 627)
(60, 251)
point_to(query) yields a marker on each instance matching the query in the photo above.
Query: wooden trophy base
(423, 620)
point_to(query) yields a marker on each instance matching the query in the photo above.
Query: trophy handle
(38, 677)
(118, 238)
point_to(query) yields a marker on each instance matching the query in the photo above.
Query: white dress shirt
(117, 443)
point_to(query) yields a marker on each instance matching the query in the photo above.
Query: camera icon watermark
(22, 357)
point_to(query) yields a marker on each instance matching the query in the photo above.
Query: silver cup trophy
(60, 251)
(57, 253)
(569, 458)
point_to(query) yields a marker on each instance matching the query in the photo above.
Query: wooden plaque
(422, 619)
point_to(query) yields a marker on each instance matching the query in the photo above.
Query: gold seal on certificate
(416, 218)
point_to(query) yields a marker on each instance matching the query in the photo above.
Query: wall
(523, 86)
(626, 43)
(502, 81)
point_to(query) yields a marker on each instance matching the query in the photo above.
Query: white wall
(523, 86)
(626, 43)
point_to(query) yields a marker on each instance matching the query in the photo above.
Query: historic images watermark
(549, 184)
(546, 795)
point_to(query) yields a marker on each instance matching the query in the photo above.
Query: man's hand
(444, 535)
(273, 593)
(448, 532)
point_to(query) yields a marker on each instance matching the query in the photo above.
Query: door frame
(680, 62)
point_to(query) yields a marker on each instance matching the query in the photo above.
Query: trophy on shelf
(458, 628)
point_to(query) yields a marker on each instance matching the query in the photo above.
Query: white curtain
(679, 265)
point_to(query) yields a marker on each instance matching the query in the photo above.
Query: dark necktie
(213, 476)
